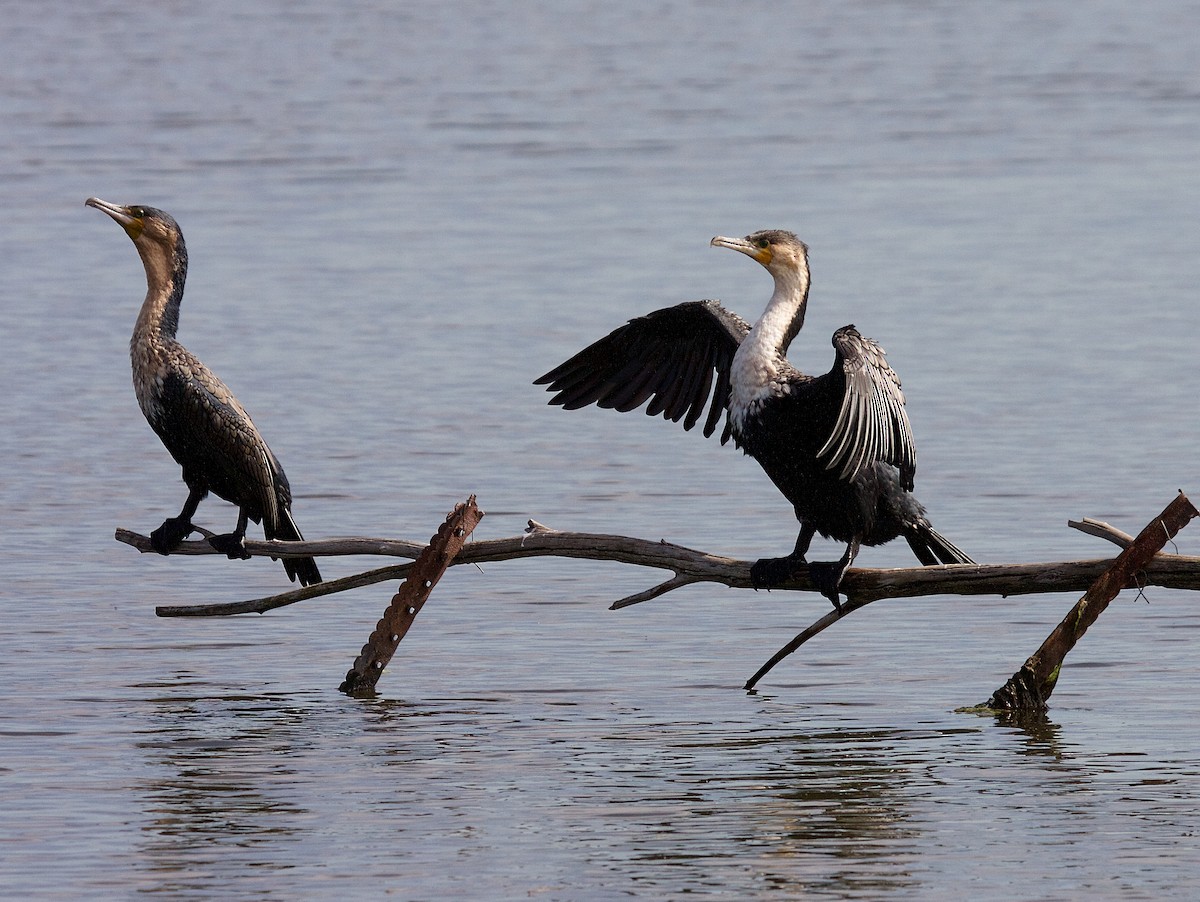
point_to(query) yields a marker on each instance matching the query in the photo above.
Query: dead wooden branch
(1102, 530)
(688, 566)
(820, 625)
(1042, 577)
(861, 585)
(1030, 687)
(262, 548)
(428, 568)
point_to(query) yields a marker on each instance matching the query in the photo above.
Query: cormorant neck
(760, 358)
(166, 272)
(784, 316)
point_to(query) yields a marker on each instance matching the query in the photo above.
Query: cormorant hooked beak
(124, 216)
(761, 254)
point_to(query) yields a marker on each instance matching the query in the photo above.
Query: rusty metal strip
(426, 571)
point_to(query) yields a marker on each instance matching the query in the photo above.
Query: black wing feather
(212, 437)
(216, 443)
(703, 388)
(720, 401)
(693, 379)
(668, 357)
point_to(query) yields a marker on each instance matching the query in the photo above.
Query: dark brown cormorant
(199, 420)
(838, 446)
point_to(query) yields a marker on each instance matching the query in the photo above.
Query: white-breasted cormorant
(199, 420)
(838, 445)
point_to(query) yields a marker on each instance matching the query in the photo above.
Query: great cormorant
(198, 419)
(838, 445)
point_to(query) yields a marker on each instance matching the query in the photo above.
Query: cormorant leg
(827, 575)
(233, 544)
(774, 571)
(174, 530)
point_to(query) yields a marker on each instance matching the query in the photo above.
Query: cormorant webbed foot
(232, 545)
(826, 576)
(167, 537)
(772, 572)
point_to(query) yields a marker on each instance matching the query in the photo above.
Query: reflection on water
(823, 810)
(1042, 733)
(840, 801)
(241, 786)
(223, 798)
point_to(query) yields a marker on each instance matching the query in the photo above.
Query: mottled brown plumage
(198, 419)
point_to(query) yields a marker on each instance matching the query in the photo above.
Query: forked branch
(688, 566)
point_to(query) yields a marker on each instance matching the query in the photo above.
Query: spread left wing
(677, 358)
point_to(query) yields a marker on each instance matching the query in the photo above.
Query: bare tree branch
(861, 585)
(1102, 530)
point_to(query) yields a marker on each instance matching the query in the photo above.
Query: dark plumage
(838, 445)
(198, 419)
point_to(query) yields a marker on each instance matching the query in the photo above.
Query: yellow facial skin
(760, 252)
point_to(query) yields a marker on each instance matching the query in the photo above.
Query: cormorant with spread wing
(838, 445)
(198, 419)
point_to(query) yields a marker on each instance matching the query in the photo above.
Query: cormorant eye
(762, 242)
(139, 212)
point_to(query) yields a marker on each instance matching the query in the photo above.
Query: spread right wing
(872, 424)
(678, 358)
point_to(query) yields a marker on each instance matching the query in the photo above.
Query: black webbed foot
(232, 545)
(772, 572)
(167, 537)
(826, 576)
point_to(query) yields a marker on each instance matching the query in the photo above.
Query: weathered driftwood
(428, 568)
(688, 566)
(1030, 687)
(1149, 572)
(861, 585)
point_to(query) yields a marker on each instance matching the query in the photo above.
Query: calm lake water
(399, 215)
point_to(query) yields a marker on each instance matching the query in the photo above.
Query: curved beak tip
(119, 214)
(102, 205)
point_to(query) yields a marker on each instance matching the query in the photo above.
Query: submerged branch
(1029, 688)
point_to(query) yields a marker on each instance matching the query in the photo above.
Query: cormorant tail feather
(932, 548)
(304, 568)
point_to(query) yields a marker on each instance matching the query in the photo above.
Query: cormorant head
(777, 250)
(141, 223)
(158, 240)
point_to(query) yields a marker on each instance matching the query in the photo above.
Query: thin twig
(1102, 530)
(675, 582)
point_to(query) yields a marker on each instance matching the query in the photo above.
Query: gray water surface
(398, 216)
